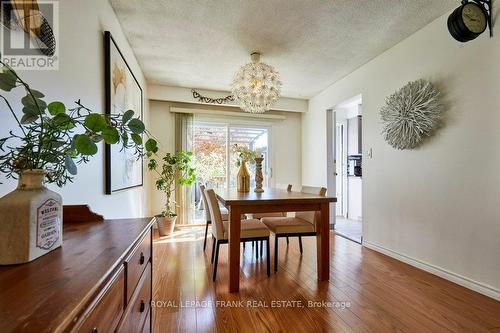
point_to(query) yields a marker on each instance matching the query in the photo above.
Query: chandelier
(256, 86)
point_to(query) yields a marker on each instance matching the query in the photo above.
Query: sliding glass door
(254, 138)
(215, 160)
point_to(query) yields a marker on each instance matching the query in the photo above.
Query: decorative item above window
(411, 114)
(256, 86)
(205, 99)
(470, 20)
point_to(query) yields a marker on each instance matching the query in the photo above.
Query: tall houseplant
(175, 169)
(46, 146)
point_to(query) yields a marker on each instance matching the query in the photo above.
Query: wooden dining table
(270, 201)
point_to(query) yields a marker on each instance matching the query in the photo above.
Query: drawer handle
(94, 330)
(143, 306)
(141, 260)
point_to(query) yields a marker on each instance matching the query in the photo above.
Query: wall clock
(470, 20)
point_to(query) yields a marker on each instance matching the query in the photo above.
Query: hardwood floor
(374, 293)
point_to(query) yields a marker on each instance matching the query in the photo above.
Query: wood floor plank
(383, 294)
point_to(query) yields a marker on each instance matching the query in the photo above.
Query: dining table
(270, 201)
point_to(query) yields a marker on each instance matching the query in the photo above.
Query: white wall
(81, 76)
(437, 206)
(285, 141)
(184, 95)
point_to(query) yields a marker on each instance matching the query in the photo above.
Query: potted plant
(45, 147)
(175, 169)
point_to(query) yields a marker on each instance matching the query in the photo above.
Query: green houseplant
(172, 170)
(46, 146)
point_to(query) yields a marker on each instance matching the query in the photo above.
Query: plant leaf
(28, 118)
(110, 135)
(31, 110)
(136, 138)
(124, 138)
(37, 94)
(56, 108)
(7, 80)
(151, 145)
(127, 116)
(84, 145)
(70, 165)
(63, 121)
(29, 101)
(95, 122)
(136, 126)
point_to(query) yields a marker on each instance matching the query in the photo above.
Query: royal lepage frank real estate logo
(29, 34)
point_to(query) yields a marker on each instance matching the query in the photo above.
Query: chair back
(283, 187)
(215, 214)
(205, 204)
(311, 215)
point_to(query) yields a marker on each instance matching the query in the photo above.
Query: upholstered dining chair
(251, 230)
(259, 216)
(303, 224)
(276, 214)
(206, 211)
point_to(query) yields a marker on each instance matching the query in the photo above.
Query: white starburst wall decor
(411, 114)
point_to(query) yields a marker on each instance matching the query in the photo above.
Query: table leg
(234, 248)
(323, 243)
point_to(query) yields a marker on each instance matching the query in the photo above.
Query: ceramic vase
(31, 220)
(259, 178)
(166, 224)
(243, 178)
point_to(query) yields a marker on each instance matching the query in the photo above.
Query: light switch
(369, 153)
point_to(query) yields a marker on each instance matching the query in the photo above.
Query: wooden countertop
(50, 293)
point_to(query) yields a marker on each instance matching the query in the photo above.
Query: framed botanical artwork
(123, 92)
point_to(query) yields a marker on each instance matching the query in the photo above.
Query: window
(215, 160)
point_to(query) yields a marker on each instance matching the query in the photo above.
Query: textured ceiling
(312, 43)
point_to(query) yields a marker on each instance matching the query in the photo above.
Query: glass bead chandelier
(256, 86)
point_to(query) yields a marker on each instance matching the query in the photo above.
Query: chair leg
(256, 250)
(287, 240)
(276, 253)
(216, 260)
(268, 258)
(205, 242)
(213, 248)
(300, 244)
(261, 248)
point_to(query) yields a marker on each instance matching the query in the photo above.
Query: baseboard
(450, 276)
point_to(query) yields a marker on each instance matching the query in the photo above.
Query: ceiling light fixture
(256, 86)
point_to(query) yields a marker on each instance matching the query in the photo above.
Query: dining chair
(303, 224)
(208, 219)
(276, 214)
(251, 230)
(260, 216)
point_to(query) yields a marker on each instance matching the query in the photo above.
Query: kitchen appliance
(354, 166)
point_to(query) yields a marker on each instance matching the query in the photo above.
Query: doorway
(215, 160)
(344, 129)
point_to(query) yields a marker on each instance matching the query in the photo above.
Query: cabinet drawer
(139, 307)
(136, 263)
(108, 309)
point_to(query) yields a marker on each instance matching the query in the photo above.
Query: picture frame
(123, 92)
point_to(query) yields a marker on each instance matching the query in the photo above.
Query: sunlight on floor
(183, 234)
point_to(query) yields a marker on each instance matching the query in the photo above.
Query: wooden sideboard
(99, 281)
